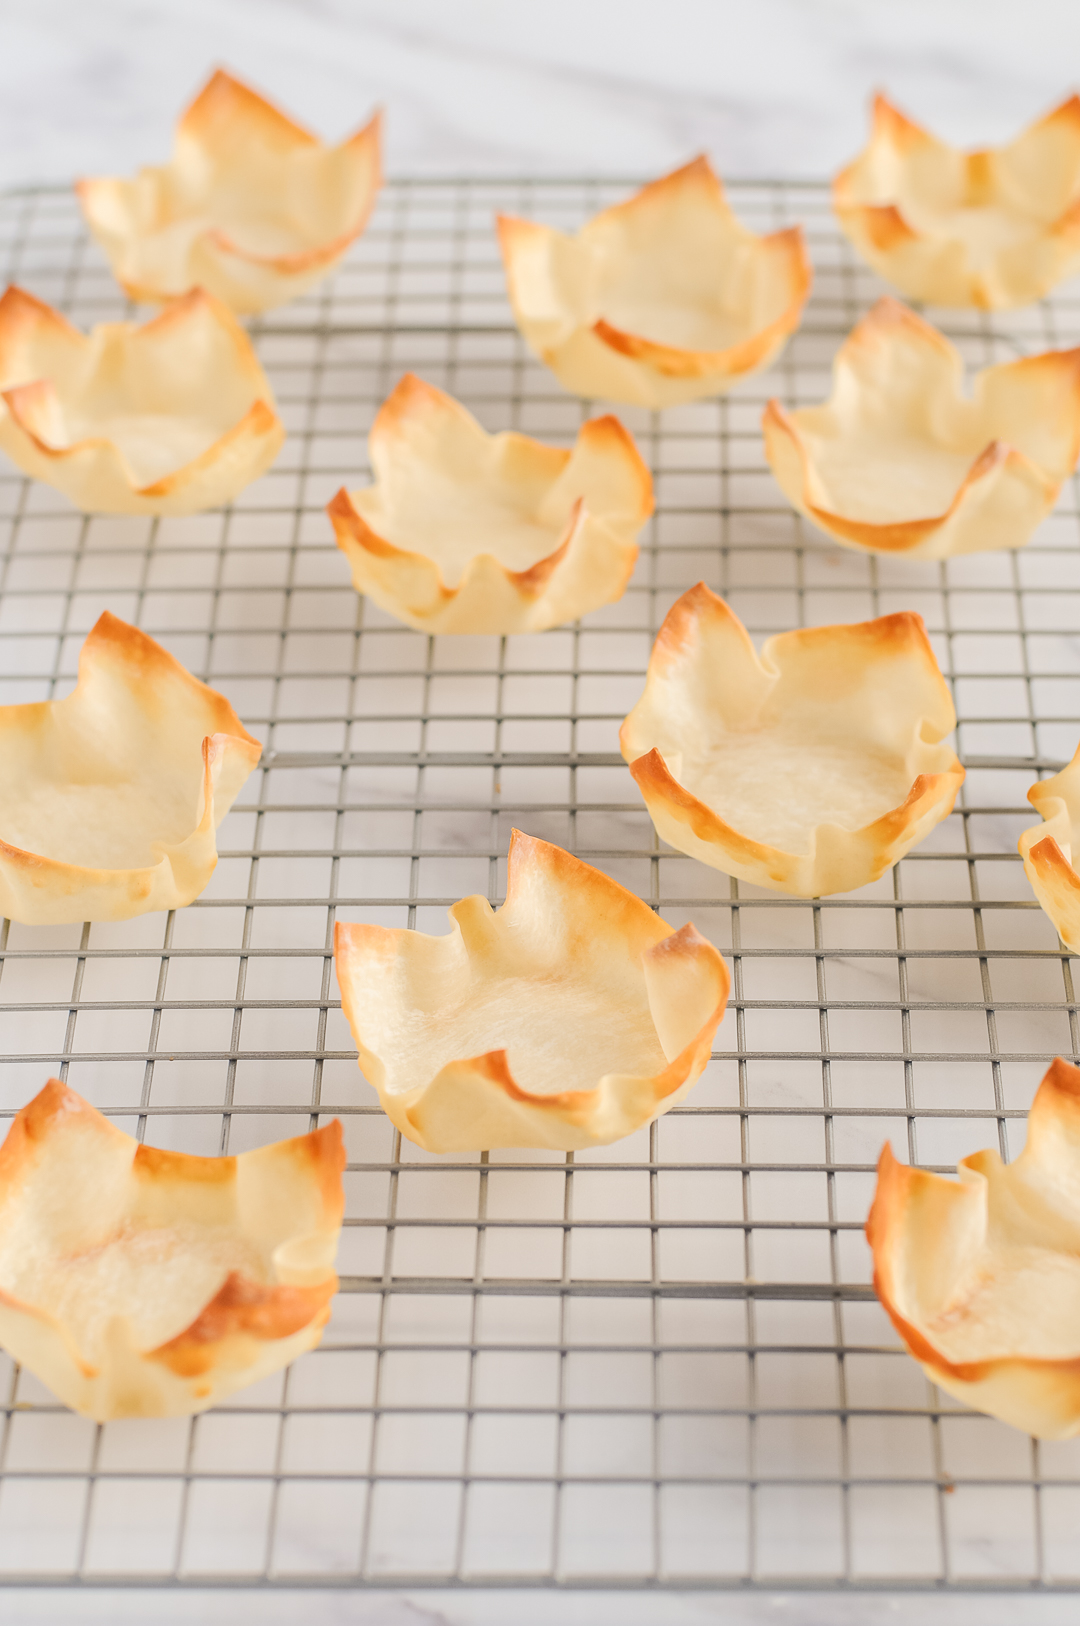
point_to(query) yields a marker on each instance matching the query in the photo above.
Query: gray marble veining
(628, 87)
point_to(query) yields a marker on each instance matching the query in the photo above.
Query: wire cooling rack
(656, 1364)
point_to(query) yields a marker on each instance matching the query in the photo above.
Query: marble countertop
(626, 87)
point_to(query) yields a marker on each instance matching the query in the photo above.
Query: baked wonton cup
(109, 798)
(469, 532)
(663, 299)
(251, 206)
(170, 418)
(981, 1278)
(899, 460)
(1049, 850)
(809, 769)
(993, 229)
(567, 1018)
(143, 1283)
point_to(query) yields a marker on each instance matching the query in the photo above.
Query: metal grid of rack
(656, 1364)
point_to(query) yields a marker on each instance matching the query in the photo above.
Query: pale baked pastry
(993, 229)
(251, 206)
(169, 418)
(1050, 849)
(809, 769)
(109, 798)
(567, 1018)
(142, 1283)
(981, 1276)
(469, 532)
(900, 460)
(662, 299)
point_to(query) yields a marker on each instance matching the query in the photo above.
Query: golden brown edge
(883, 635)
(23, 1146)
(303, 260)
(898, 536)
(110, 637)
(901, 629)
(258, 423)
(20, 311)
(580, 1106)
(354, 939)
(608, 428)
(1052, 867)
(224, 91)
(697, 175)
(240, 1306)
(679, 628)
(256, 109)
(1058, 1092)
(887, 315)
(699, 604)
(1044, 790)
(622, 910)
(32, 1125)
(882, 225)
(888, 127)
(322, 1151)
(674, 362)
(73, 877)
(350, 526)
(512, 233)
(656, 782)
(1067, 112)
(413, 396)
(1045, 856)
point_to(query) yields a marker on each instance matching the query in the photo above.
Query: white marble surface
(499, 1607)
(498, 86)
(515, 1608)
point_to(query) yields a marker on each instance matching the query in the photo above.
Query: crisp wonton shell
(898, 460)
(992, 229)
(169, 418)
(109, 798)
(143, 1283)
(573, 981)
(530, 535)
(981, 1277)
(251, 206)
(663, 299)
(1050, 850)
(823, 751)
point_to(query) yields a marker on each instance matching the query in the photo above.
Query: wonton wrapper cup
(469, 532)
(992, 229)
(568, 1018)
(663, 299)
(251, 206)
(981, 1278)
(810, 769)
(170, 418)
(898, 460)
(143, 1283)
(109, 798)
(1049, 850)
